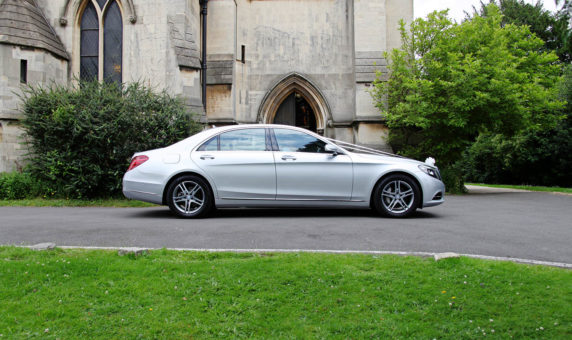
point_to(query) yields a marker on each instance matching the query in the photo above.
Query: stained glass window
(108, 21)
(112, 43)
(89, 50)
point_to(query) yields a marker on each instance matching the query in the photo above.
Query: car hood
(367, 158)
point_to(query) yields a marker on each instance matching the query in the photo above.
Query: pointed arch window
(101, 41)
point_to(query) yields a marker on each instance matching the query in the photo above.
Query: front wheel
(189, 197)
(396, 196)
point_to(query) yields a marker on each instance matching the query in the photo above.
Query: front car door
(240, 163)
(305, 171)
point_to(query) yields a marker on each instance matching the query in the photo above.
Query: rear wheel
(189, 197)
(396, 196)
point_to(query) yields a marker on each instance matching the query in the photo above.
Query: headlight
(433, 172)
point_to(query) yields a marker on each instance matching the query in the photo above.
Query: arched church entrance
(294, 100)
(295, 110)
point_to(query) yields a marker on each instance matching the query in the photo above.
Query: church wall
(149, 48)
(376, 31)
(312, 38)
(221, 44)
(43, 69)
(219, 104)
(335, 44)
(397, 10)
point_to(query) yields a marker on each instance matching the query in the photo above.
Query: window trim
(276, 147)
(267, 140)
(76, 65)
(208, 141)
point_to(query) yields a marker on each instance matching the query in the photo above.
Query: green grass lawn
(525, 187)
(183, 295)
(52, 202)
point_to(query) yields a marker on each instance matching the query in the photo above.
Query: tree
(450, 82)
(531, 157)
(553, 29)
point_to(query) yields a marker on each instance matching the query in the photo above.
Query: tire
(396, 196)
(189, 196)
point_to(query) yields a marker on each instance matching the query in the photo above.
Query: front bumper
(433, 191)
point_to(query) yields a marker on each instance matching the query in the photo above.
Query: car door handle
(207, 157)
(288, 157)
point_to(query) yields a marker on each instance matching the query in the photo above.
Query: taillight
(136, 161)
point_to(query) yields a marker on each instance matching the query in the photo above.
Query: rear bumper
(142, 191)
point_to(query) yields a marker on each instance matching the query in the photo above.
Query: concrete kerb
(435, 255)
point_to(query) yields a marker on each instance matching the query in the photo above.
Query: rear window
(210, 145)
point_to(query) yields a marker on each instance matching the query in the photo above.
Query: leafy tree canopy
(449, 82)
(552, 28)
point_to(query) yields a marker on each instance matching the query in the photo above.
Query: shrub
(16, 185)
(81, 139)
(532, 157)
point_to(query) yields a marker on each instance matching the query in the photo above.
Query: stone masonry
(258, 51)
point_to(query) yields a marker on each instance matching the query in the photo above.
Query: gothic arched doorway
(294, 100)
(295, 110)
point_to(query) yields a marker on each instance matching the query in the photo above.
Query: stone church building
(300, 62)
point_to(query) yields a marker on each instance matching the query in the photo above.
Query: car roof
(242, 126)
(215, 130)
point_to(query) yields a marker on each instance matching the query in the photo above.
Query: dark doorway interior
(295, 110)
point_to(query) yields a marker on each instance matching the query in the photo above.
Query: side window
(210, 145)
(243, 140)
(296, 141)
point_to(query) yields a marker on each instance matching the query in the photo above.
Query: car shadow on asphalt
(278, 213)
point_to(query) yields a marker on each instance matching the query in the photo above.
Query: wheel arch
(397, 173)
(184, 173)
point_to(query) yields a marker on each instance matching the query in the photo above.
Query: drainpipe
(204, 54)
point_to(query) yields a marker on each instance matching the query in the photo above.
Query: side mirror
(329, 148)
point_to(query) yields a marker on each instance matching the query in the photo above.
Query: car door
(305, 171)
(240, 163)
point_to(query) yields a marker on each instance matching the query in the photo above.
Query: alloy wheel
(188, 197)
(397, 196)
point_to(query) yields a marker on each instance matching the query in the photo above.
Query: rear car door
(305, 171)
(240, 163)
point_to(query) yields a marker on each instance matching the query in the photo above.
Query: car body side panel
(239, 174)
(148, 181)
(221, 203)
(313, 176)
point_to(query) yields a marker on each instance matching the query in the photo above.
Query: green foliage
(532, 157)
(18, 185)
(450, 82)
(552, 28)
(82, 139)
(70, 294)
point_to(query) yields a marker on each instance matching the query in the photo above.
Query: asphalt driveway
(518, 224)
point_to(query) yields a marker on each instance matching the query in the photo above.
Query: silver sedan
(279, 166)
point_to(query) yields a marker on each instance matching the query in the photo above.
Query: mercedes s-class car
(267, 165)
